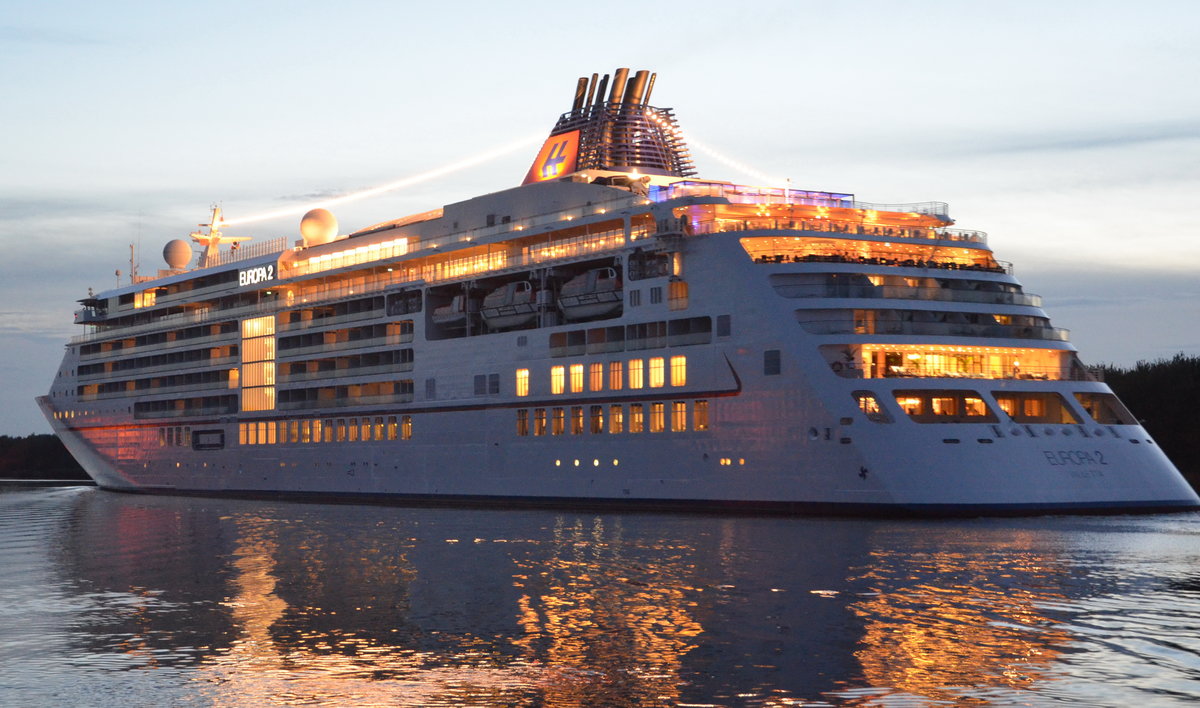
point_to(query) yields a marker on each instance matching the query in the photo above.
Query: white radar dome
(177, 253)
(317, 227)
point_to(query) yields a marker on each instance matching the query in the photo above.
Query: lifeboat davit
(595, 293)
(456, 313)
(510, 305)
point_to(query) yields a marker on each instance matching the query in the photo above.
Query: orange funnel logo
(556, 158)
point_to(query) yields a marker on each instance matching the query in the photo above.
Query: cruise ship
(614, 332)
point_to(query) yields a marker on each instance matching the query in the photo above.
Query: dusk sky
(1069, 131)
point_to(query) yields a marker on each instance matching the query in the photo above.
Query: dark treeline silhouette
(1163, 395)
(37, 457)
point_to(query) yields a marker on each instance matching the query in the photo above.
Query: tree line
(1163, 394)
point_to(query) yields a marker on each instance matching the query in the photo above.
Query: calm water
(116, 600)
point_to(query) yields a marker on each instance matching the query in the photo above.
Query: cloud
(37, 35)
(1111, 137)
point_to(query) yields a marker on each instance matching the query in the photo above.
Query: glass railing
(901, 292)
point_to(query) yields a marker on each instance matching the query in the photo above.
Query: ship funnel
(580, 93)
(618, 86)
(633, 93)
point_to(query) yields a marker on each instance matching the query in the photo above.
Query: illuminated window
(576, 378)
(305, 431)
(392, 428)
(679, 371)
(677, 295)
(294, 431)
(596, 419)
(616, 376)
(366, 429)
(558, 379)
(636, 373)
(869, 405)
(341, 430)
(522, 421)
(700, 416)
(657, 417)
(539, 421)
(1035, 406)
(637, 420)
(678, 416)
(352, 428)
(557, 421)
(257, 376)
(944, 406)
(596, 377)
(379, 428)
(657, 376)
(576, 420)
(406, 427)
(522, 382)
(616, 421)
(243, 435)
(1105, 408)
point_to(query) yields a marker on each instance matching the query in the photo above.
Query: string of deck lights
(478, 159)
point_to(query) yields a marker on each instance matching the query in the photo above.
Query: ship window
(771, 362)
(657, 417)
(677, 295)
(430, 389)
(493, 384)
(724, 325)
(616, 421)
(656, 295)
(679, 371)
(596, 376)
(678, 416)
(293, 431)
(341, 430)
(596, 419)
(480, 384)
(635, 298)
(616, 375)
(305, 431)
(869, 405)
(352, 428)
(243, 438)
(636, 373)
(700, 415)
(636, 418)
(1035, 406)
(522, 382)
(366, 429)
(657, 375)
(522, 421)
(392, 428)
(576, 378)
(944, 406)
(557, 379)
(406, 427)
(1105, 408)
(557, 421)
(576, 420)
(379, 428)
(539, 421)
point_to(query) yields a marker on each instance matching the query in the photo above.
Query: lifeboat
(595, 293)
(510, 305)
(456, 313)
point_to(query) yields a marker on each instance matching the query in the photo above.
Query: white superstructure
(612, 332)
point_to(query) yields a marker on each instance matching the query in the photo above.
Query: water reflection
(953, 625)
(228, 603)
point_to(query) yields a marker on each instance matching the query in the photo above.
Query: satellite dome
(317, 227)
(177, 253)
